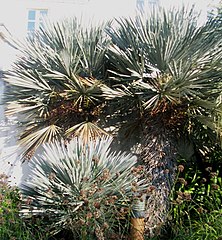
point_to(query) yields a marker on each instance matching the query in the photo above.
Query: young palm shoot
(82, 187)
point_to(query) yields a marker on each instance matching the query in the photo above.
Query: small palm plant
(83, 187)
(55, 85)
(165, 78)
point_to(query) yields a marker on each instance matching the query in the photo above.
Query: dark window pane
(31, 15)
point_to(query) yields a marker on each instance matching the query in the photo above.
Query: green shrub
(196, 205)
(12, 227)
(82, 187)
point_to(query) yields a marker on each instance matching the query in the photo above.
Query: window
(35, 19)
(146, 4)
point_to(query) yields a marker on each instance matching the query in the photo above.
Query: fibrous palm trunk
(158, 154)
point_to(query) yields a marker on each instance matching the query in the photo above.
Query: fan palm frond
(165, 60)
(86, 131)
(31, 140)
(57, 79)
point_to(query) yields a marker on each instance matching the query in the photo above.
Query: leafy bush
(85, 188)
(11, 226)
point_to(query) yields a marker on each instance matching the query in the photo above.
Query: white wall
(201, 6)
(14, 13)
(8, 157)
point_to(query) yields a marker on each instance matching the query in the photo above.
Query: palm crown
(73, 183)
(56, 83)
(166, 65)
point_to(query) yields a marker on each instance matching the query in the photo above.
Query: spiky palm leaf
(168, 72)
(79, 186)
(165, 61)
(56, 83)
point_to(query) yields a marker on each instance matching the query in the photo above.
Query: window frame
(39, 15)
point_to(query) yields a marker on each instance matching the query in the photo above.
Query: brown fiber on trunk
(159, 157)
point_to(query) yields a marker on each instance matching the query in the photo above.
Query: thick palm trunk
(159, 157)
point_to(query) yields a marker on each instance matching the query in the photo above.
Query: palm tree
(163, 87)
(165, 82)
(55, 85)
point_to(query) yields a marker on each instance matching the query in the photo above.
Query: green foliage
(12, 227)
(196, 210)
(208, 228)
(196, 204)
(166, 80)
(160, 78)
(163, 66)
(82, 187)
